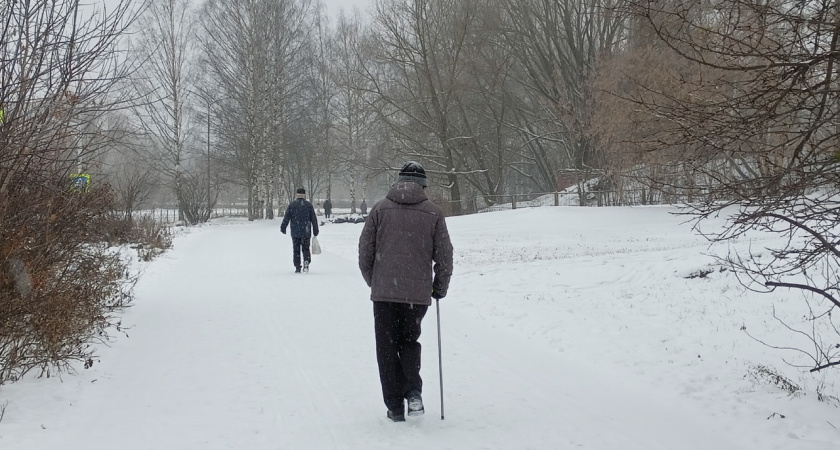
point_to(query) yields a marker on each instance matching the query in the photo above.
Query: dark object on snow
(327, 208)
(396, 415)
(700, 274)
(363, 207)
(397, 328)
(301, 245)
(349, 220)
(404, 236)
(301, 215)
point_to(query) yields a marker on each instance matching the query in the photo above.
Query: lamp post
(210, 103)
(207, 97)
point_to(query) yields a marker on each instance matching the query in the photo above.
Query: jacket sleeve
(442, 258)
(367, 248)
(314, 219)
(286, 218)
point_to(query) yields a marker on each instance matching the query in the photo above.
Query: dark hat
(300, 191)
(412, 171)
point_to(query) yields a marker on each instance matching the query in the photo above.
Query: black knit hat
(413, 171)
(300, 191)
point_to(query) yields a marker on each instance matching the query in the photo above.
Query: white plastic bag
(316, 247)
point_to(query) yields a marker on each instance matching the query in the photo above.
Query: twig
(806, 288)
(825, 366)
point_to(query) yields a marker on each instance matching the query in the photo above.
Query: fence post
(556, 199)
(513, 201)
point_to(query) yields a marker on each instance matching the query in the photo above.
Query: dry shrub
(61, 285)
(762, 375)
(153, 237)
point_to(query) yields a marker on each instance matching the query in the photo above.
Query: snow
(564, 327)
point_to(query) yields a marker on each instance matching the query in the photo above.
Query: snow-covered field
(564, 328)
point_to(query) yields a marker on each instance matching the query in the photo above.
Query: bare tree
(133, 185)
(558, 44)
(420, 47)
(354, 120)
(165, 83)
(251, 48)
(59, 286)
(755, 122)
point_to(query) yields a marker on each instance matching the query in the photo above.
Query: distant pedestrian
(363, 207)
(404, 241)
(301, 215)
(327, 208)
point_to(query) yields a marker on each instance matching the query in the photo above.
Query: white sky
(334, 6)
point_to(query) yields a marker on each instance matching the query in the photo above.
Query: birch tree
(251, 48)
(355, 121)
(165, 81)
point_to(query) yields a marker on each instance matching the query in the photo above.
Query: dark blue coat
(301, 215)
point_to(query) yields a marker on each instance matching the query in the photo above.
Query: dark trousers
(397, 327)
(327, 213)
(299, 244)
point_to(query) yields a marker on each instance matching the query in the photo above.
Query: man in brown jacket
(405, 256)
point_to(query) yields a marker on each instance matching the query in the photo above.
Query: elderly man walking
(301, 215)
(405, 256)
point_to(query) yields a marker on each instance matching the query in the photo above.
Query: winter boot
(306, 266)
(396, 415)
(415, 403)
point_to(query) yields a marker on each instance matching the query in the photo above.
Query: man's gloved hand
(436, 296)
(283, 231)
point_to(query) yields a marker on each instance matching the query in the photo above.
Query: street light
(210, 102)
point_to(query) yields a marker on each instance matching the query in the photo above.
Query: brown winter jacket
(404, 234)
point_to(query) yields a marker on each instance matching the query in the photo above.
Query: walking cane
(440, 359)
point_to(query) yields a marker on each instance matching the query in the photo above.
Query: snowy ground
(565, 328)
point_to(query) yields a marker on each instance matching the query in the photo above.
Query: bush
(152, 237)
(61, 285)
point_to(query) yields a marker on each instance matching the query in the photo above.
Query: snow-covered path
(229, 349)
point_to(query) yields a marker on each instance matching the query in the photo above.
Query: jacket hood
(407, 193)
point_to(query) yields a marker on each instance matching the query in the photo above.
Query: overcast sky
(334, 6)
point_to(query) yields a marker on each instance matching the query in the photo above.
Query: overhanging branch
(805, 287)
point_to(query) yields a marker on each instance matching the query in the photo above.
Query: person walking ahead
(403, 243)
(327, 208)
(301, 215)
